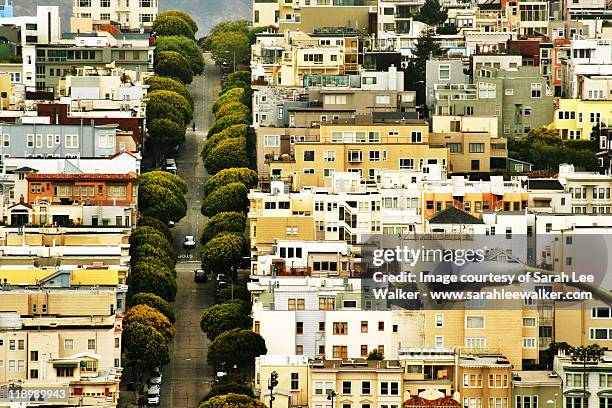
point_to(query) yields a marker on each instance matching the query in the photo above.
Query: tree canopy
(233, 401)
(159, 101)
(225, 316)
(235, 291)
(237, 347)
(224, 46)
(161, 83)
(233, 107)
(161, 202)
(223, 252)
(146, 251)
(149, 279)
(227, 198)
(183, 16)
(234, 94)
(174, 65)
(165, 179)
(163, 135)
(167, 24)
(431, 13)
(229, 388)
(242, 175)
(145, 348)
(226, 154)
(155, 302)
(144, 221)
(228, 120)
(187, 47)
(223, 222)
(148, 316)
(227, 133)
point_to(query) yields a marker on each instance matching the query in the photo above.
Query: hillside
(206, 12)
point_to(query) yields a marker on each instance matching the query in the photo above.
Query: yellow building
(583, 323)
(293, 379)
(511, 332)
(485, 381)
(6, 91)
(575, 118)
(62, 338)
(360, 148)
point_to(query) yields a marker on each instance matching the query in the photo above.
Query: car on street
(153, 395)
(171, 166)
(200, 276)
(156, 378)
(189, 242)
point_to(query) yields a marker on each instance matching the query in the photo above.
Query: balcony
(282, 270)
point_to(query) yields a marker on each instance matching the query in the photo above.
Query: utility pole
(272, 382)
(330, 397)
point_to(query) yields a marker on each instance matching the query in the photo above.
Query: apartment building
(26, 138)
(293, 372)
(528, 17)
(442, 72)
(589, 191)
(135, 15)
(485, 381)
(429, 370)
(6, 9)
(595, 379)
(360, 147)
(285, 59)
(68, 339)
(472, 141)
(132, 52)
(575, 119)
(586, 58)
(520, 99)
(396, 16)
(535, 388)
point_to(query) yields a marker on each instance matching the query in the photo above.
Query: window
(416, 137)
(33, 374)
(365, 388)
(487, 90)
(334, 99)
(364, 326)
(381, 326)
(601, 312)
(355, 156)
(383, 99)
(364, 350)
(536, 90)
(529, 322)
(30, 140)
(373, 137)
(573, 380)
(472, 403)
(295, 381)
(374, 155)
(147, 18)
(439, 341)
(439, 320)
(146, 3)
(472, 380)
(33, 355)
(6, 140)
(84, 3)
(529, 342)
(346, 387)
(474, 322)
(340, 328)
(299, 327)
(309, 155)
(327, 303)
(477, 147)
(340, 352)
(20, 344)
(407, 164)
(509, 92)
(600, 334)
(475, 342)
(295, 304)
(71, 141)
(605, 380)
(455, 147)
(299, 349)
(65, 371)
(444, 72)
(271, 140)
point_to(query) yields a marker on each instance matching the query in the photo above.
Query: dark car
(200, 276)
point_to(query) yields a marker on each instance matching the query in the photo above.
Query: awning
(65, 365)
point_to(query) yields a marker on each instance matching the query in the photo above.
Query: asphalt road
(187, 378)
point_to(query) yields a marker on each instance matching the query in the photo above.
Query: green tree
(242, 175)
(228, 26)
(431, 13)
(144, 278)
(174, 65)
(223, 222)
(223, 253)
(233, 401)
(164, 179)
(149, 235)
(229, 388)
(148, 316)
(237, 347)
(232, 95)
(160, 202)
(145, 348)
(161, 83)
(227, 133)
(166, 25)
(187, 47)
(233, 108)
(155, 302)
(375, 355)
(243, 76)
(183, 16)
(227, 154)
(144, 221)
(227, 121)
(145, 251)
(220, 318)
(231, 197)
(235, 291)
(163, 135)
(180, 109)
(224, 46)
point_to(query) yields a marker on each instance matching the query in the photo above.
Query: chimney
(21, 199)
(393, 78)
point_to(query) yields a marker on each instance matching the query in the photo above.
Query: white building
(134, 15)
(598, 379)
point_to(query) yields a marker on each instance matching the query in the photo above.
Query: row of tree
(149, 322)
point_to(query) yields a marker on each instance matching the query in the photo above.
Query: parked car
(155, 379)
(153, 395)
(171, 166)
(189, 242)
(170, 224)
(200, 276)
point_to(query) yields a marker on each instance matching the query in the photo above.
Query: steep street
(187, 377)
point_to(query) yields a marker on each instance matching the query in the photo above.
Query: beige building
(67, 339)
(293, 380)
(485, 381)
(358, 146)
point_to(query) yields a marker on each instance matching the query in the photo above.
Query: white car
(153, 395)
(156, 378)
(189, 242)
